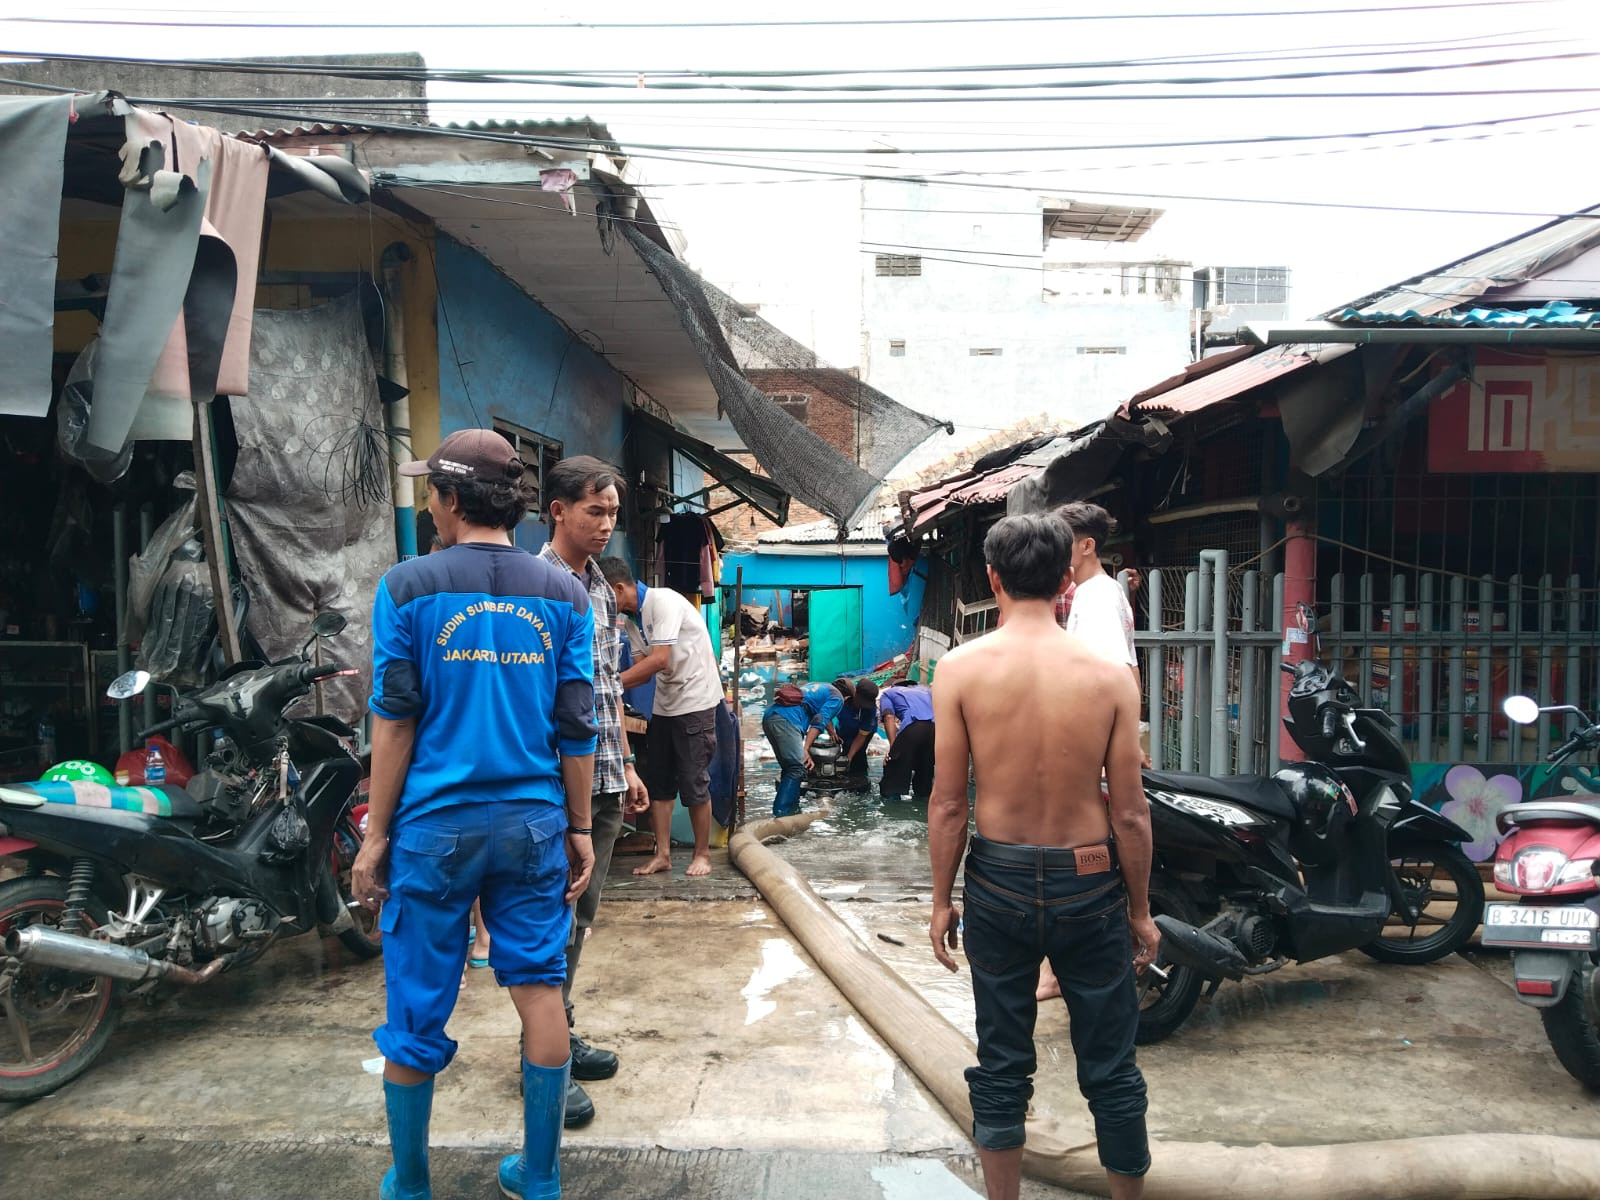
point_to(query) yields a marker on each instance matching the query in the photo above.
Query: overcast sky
(778, 236)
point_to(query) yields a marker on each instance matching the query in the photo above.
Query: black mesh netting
(731, 340)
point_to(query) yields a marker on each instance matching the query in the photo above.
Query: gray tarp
(33, 146)
(309, 506)
(803, 464)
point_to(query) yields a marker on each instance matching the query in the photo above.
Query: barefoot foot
(654, 866)
(699, 865)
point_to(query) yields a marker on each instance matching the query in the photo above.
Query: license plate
(1568, 926)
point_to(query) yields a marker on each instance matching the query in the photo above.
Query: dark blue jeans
(1020, 906)
(788, 743)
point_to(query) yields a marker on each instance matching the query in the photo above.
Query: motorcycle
(1550, 858)
(127, 889)
(1252, 873)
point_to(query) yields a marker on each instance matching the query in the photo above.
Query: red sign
(1519, 413)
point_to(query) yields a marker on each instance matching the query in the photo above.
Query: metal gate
(1211, 647)
(1439, 652)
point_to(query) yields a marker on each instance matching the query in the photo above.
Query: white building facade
(989, 308)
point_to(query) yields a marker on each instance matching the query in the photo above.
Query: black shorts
(678, 754)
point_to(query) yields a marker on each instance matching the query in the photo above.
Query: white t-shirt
(691, 681)
(1102, 616)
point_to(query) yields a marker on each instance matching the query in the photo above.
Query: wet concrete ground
(744, 1071)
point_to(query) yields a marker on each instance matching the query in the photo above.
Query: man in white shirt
(1098, 612)
(683, 724)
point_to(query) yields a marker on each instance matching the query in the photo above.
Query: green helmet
(77, 770)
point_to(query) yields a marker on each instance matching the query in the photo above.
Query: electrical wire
(965, 88)
(1388, 10)
(429, 74)
(357, 453)
(253, 108)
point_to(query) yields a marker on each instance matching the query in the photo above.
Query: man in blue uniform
(483, 747)
(907, 710)
(797, 715)
(857, 722)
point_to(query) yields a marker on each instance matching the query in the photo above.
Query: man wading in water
(1044, 848)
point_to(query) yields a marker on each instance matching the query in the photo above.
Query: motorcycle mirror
(328, 623)
(1522, 710)
(126, 686)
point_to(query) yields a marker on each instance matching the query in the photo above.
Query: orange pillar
(1299, 618)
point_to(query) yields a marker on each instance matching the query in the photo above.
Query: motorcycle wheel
(1436, 934)
(1573, 1027)
(363, 939)
(1164, 1005)
(53, 1023)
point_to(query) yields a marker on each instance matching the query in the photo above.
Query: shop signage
(1523, 413)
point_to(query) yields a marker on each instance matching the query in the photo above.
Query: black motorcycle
(1252, 873)
(129, 888)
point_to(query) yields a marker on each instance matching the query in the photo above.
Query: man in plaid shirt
(582, 497)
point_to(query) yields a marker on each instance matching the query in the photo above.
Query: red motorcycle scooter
(1550, 858)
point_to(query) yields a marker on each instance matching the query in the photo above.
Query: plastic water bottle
(155, 766)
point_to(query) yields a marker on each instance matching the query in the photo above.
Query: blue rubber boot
(535, 1174)
(787, 802)
(409, 1107)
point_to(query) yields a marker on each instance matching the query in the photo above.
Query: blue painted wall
(890, 622)
(502, 356)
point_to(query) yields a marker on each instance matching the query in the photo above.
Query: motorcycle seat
(1258, 793)
(166, 800)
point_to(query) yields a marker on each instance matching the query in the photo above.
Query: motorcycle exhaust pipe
(38, 946)
(1213, 957)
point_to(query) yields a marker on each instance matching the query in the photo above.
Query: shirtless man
(1045, 843)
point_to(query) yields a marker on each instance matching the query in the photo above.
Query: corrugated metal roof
(982, 487)
(868, 530)
(1234, 379)
(574, 128)
(317, 129)
(1510, 262)
(1558, 314)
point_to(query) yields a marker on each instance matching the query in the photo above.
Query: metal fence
(1440, 653)
(1210, 651)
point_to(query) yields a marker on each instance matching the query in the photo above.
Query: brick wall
(828, 418)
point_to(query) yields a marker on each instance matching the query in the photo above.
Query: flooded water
(867, 848)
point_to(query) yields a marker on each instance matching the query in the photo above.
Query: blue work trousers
(510, 854)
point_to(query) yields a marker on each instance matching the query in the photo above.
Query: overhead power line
(973, 88)
(1055, 18)
(654, 81)
(241, 107)
(429, 74)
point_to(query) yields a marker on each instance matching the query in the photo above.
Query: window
(899, 264)
(1102, 349)
(538, 454)
(796, 404)
(897, 348)
(986, 352)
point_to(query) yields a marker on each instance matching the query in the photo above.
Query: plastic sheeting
(33, 147)
(308, 505)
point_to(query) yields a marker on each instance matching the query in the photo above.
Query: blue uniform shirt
(491, 650)
(853, 720)
(909, 704)
(821, 704)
